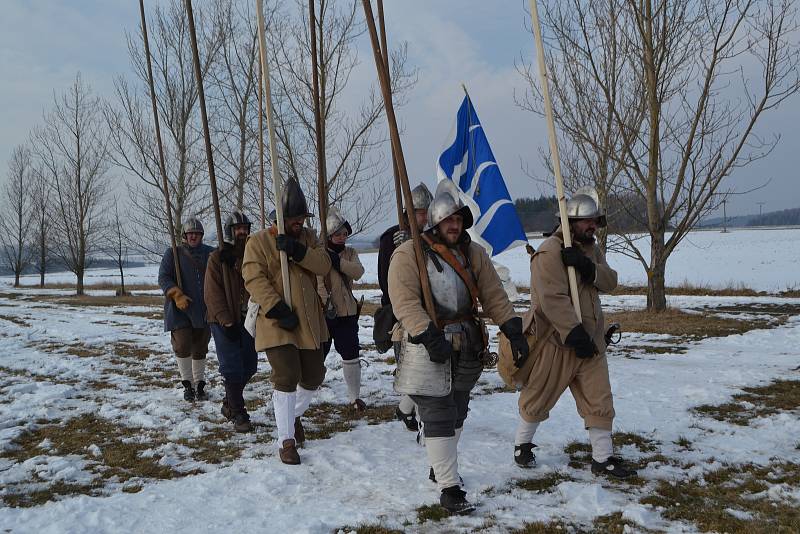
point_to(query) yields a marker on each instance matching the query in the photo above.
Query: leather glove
(519, 344)
(579, 340)
(399, 237)
(232, 332)
(293, 248)
(573, 256)
(439, 349)
(286, 318)
(336, 260)
(227, 256)
(181, 300)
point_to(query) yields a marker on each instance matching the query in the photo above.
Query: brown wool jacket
(261, 270)
(405, 290)
(223, 307)
(342, 283)
(550, 296)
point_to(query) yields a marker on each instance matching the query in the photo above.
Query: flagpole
(161, 165)
(427, 296)
(322, 178)
(551, 126)
(277, 185)
(261, 188)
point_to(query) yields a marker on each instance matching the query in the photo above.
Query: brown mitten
(181, 300)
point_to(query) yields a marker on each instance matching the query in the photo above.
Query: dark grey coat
(193, 272)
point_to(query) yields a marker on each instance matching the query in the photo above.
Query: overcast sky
(43, 43)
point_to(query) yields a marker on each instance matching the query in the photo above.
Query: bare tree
(73, 146)
(689, 83)
(132, 141)
(351, 140)
(41, 217)
(116, 244)
(16, 205)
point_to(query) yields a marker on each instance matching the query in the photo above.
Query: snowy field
(106, 374)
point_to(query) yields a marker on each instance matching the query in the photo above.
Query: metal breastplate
(450, 294)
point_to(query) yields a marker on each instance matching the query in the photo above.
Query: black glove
(519, 345)
(227, 255)
(573, 256)
(294, 248)
(579, 340)
(232, 332)
(286, 318)
(399, 237)
(336, 261)
(439, 349)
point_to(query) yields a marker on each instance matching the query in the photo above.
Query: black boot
(242, 423)
(613, 467)
(408, 419)
(453, 499)
(226, 410)
(523, 455)
(188, 390)
(201, 391)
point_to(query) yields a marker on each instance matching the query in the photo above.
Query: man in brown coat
(226, 304)
(342, 309)
(440, 361)
(574, 354)
(292, 337)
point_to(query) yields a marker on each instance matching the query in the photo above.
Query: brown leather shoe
(359, 405)
(299, 431)
(288, 453)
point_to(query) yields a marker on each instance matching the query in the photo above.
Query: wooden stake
(161, 166)
(397, 192)
(394, 133)
(551, 127)
(201, 96)
(277, 184)
(322, 172)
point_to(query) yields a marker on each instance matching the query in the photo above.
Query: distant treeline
(788, 217)
(625, 214)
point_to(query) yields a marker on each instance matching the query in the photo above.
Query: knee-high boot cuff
(302, 401)
(198, 370)
(185, 368)
(352, 377)
(525, 432)
(443, 457)
(283, 404)
(602, 447)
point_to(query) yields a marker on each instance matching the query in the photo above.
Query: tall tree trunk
(656, 289)
(122, 280)
(16, 278)
(79, 274)
(42, 259)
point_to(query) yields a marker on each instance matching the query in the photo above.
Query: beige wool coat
(405, 290)
(342, 282)
(261, 270)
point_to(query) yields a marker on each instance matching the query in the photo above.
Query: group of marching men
(439, 359)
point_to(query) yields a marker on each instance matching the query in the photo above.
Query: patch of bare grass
(756, 401)
(543, 484)
(327, 419)
(691, 326)
(97, 285)
(552, 527)
(16, 320)
(732, 499)
(369, 528)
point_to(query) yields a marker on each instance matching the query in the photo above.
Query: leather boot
(299, 431)
(288, 453)
(188, 390)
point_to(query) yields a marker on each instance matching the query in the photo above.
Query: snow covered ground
(61, 362)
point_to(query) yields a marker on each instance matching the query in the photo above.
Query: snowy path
(374, 473)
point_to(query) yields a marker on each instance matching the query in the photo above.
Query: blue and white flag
(468, 161)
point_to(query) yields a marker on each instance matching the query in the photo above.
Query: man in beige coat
(574, 354)
(342, 309)
(440, 361)
(292, 337)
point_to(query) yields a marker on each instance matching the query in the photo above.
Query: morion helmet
(445, 203)
(235, 219)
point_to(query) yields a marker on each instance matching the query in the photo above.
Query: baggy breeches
(292, 367)
(190, 341)
(557, 368)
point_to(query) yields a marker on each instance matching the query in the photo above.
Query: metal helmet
(192, 224)
(421, 197)
(335, 221)
(234, 219)
(293, 200)
(445, 203)
(585, 204)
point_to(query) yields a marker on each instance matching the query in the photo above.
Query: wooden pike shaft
(397, 192)
(322, 172)
(261, 188)
(161, 165)
(201, 97)
(551, 127)
(394, 133)
(277, 185)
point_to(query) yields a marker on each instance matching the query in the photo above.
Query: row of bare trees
(60, 180)
(657, 101)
